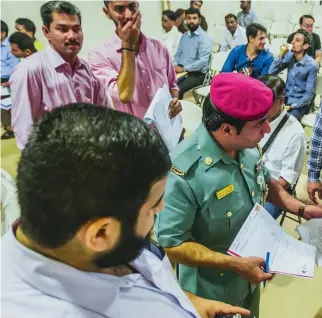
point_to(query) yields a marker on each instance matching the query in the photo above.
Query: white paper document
(311, 233)
(261, 234)
(158, 115)
(5, 91)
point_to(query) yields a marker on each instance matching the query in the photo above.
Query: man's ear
(226, 129)
(28, 52)
(282, 100)
(46, 32)
(107, 12)
(306, 46)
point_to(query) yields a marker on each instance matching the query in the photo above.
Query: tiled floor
(284, 297)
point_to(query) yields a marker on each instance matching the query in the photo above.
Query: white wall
(96, 26)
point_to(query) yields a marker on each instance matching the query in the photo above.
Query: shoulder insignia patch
(260, 150)
(177, 171)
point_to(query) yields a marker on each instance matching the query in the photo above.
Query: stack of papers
(158, 115)
(261, 234)
(311, 233)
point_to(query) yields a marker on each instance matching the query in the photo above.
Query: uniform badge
(225, 191)
(261, 182)
(177, 171)
(259, 166)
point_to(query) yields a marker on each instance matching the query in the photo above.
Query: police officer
(216, 178)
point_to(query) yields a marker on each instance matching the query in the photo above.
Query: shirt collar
(273, 124)
(5, 42)
(56, 60)
(209, 148)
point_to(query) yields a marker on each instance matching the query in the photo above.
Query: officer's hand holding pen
(251, 269)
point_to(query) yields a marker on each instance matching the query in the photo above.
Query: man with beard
(132, 66)
(251, 59)
(54, 76)
(90, 182)
(193, 53)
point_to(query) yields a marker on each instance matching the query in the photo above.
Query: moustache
(72, 43)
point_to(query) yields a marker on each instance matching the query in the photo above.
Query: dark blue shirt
(237, 60)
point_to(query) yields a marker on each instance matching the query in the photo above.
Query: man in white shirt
(247, 16)
(90, 182)
(172, 36)
(284, 155)
(234, 34)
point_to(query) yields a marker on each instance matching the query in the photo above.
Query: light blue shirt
(301, 78)
(246, 19)
(8, 60)
(194, 51)
(33, 285)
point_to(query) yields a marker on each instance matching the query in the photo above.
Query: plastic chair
(267, 23)
(280, 29)
(191, 116)
(217, 34)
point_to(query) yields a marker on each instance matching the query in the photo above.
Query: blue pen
(267, 265)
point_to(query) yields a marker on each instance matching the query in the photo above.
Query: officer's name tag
(225, 191)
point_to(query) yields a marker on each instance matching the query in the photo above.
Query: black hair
(83, 162)
(229, 16)
(170, 14)
(28, 25)
(306, 16)
(307, 36)
(4, 27)
(213, 118)
(193, 11)
(274, 82)
(191, 2)
(252, 30)
(47, 10)
(179, 12)
(23, 41)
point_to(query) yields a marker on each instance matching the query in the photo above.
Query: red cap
(241, 96)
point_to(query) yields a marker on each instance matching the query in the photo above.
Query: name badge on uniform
(259, 166)
(225, 191)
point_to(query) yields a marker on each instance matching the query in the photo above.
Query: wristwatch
(301, 210)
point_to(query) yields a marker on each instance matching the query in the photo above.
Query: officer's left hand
(211, 308)
(174, 107)
(312, 211)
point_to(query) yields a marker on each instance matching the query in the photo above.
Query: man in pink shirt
(54, 76)
(132, 66)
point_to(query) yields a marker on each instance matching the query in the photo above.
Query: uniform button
(208, 161)
(221, 274)
(241, 166)
(253, 193)
(229, 214)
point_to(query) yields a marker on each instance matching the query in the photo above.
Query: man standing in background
(314, 185)
(21, 45)
(172, 36)
(198, 5)
(132, 66)
(247, 16)
(26, 26)
(55, 76)
(234, 34)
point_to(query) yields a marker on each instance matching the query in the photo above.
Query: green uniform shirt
(194, 212)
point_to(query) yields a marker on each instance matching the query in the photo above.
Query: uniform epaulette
(260, 150)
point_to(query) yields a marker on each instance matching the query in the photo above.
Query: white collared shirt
(171, 40)
(33, 285)
(285, 157)
(232, 41)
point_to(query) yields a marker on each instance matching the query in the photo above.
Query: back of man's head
(23, 41)
(82, 163)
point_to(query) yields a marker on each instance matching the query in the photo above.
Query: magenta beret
(241, 96)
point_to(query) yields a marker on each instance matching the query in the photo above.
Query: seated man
(21, 45)
(171, 36)
(234, 34)
(284, 147)
(26, 26)
(251, 58)
(193, 53)
(88, 198)
(198, 5)
(247, 16)
(302, 73)
(306, 23)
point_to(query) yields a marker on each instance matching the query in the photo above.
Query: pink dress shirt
(153, 68)
(45, 81)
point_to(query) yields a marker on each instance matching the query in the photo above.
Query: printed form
(261, 234)
(311, 233)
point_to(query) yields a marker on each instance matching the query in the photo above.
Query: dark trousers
(193, 79)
